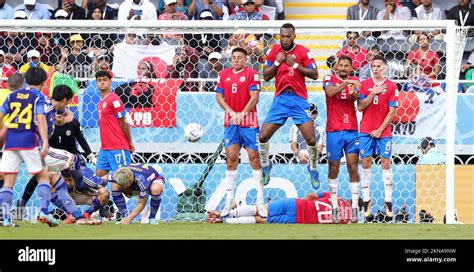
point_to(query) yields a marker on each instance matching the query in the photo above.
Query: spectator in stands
(184, 67)
(34, 11)
(145, 70)
(131, 39)
(211, 70)
(15, 45)
(354, 51)
(49, 52)
(214, 6)
(99, 41)
(364, 72)
(6, 11)
(249, 13)
(362, 11)
(103, 63)
(430, 153)
(151, 39)
(331, 64)
(423, 60)
(77, 63)
(74, 11)
(428, 11)
(108, 13)
(463, 14)
(137, 10)
(412, 5)
(170, 12)
(204, 43)
(280, 8)
(6, 69)
(393, 11)
(183, 8)
(33, 58)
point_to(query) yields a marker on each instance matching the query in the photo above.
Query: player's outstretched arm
(138, 209)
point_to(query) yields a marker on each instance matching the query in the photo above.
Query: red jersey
(320, 211)
(110, 110)
(378, 109)
(340, 107)
(7, 70)
(236, 88)
(286, 76)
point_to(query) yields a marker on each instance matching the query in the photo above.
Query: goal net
(165, 73)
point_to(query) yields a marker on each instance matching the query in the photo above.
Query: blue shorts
(288, 105)
(111, 160)
(245, 137)
(282, 211)
(370, 146)
(339, 141)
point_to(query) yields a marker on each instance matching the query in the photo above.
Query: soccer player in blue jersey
(140, 180)
(290, 64)
(26, 119)
(89, 189)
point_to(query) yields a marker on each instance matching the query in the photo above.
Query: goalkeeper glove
(92, 159)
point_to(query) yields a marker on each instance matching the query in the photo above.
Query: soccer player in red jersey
(378, 100)
(312, 209)
(237, 93)
(342, 131)
(290, 64)
(115, 136)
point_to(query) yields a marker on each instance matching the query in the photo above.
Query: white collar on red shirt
(238, 72)
(378, 84)
(106, 96)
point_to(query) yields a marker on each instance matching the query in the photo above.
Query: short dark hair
(288, 25)
(102, 73)
(344, 57)
(239, 49)
(35, 76)
(375, 47)
(380, 57)
(330, 61)
(62, 91)
(15, 82)
(427, 141)
(351, 32)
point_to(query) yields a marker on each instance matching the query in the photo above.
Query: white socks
(313, 157)
(230, 182)
(243, 211)
(366, 177)
(264, 151)
(387, 178)
(355, 193)
(333, 187)
(257, 177)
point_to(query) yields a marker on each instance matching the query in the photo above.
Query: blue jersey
(89, 181)
(144, 175)
(50, 116)
(22, 107)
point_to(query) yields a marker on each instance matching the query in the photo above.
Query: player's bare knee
(262, 137)
(156, 188)
(386, 164)
(104, 195)
(366, 163)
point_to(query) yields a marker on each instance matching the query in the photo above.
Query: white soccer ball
(193, 132)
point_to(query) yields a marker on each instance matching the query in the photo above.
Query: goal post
(161, 105)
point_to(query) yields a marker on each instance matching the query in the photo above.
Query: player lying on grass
(312, 209)
(140, 180)
(89, 189)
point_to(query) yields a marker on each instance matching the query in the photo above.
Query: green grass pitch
(191, 230)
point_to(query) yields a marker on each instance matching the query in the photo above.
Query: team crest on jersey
(362, 151)
(116, 104)
(242, 79)
(68, 132)
(227, 140)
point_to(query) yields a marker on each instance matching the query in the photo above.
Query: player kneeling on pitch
(89, 189)
(140, 180)
(312, 209)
